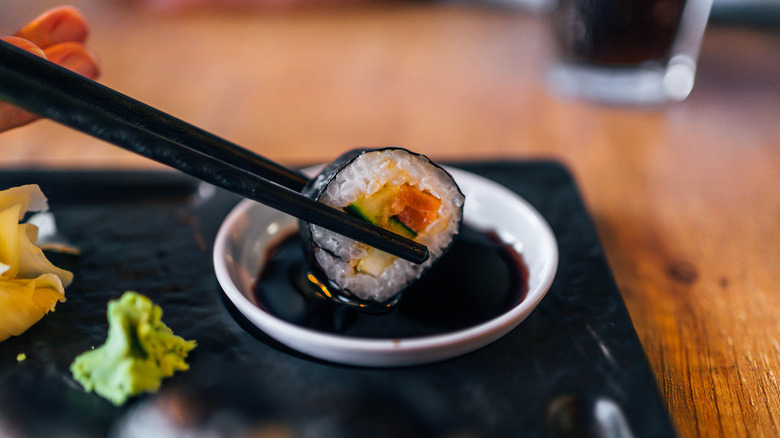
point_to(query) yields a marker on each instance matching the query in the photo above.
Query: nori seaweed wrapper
(319, 184)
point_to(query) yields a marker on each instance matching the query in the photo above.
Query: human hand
(57, 35)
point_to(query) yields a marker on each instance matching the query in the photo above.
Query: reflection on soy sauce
(478, 279)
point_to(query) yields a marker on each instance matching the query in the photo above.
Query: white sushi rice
(337, 255)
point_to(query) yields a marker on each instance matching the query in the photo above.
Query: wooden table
(685, 197)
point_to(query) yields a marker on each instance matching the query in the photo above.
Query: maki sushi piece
(393, 188)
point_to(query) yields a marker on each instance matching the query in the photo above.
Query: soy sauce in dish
(478, 279)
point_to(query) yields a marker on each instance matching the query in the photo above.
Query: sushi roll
(393, 188)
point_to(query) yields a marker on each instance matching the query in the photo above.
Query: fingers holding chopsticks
(75, 57)
(58, 25)
(57, 35)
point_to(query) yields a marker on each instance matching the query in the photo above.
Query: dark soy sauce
(478, 279)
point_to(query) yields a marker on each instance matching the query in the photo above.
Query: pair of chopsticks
(48, 90)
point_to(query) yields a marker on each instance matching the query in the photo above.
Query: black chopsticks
(53, 92)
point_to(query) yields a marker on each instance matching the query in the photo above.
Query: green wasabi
(140, 350)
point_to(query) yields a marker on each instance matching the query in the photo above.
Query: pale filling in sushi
(400, 192)
(404, 210)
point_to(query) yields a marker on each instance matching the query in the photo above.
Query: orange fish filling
(414, 208)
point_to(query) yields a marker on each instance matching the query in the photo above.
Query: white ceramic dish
(250, 228)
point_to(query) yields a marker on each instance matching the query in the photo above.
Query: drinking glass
(627, 51)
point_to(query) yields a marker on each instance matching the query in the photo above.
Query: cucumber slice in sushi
(396, 189)
(377, 209)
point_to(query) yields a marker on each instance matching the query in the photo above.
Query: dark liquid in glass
(617, 32)
(478, 279)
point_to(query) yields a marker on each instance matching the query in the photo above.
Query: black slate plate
(573, 368)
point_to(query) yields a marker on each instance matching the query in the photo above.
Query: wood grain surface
(685, 197)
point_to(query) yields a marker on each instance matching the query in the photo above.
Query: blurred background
(302, 81)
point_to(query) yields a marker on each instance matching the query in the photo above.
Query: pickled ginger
(30, 285)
